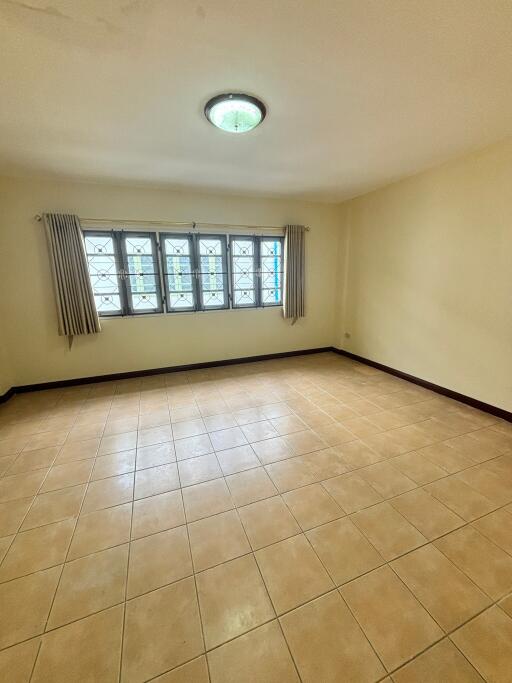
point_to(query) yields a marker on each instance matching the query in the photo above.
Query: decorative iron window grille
(134, 273)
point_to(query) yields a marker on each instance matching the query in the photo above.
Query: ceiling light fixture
(235, 112)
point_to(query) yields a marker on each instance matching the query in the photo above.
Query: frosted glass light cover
(235, 114)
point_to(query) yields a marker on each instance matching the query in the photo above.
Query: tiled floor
(303, 519)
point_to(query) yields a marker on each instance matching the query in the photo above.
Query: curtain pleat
(294, 272)
(76, 310)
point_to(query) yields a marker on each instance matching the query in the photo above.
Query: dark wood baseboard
(468, 400)
(462, 398)
(156, 371)
(7, 395)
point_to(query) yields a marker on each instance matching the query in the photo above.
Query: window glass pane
(102, 266)
(178, 273)
(271, 271)
(243, 271)
(212, 271)
(107, 303)
(142, 273)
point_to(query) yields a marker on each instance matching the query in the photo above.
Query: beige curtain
(76, 309)
(294, 272)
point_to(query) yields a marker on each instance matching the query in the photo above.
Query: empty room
(256, 341)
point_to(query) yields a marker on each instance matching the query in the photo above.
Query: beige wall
(38, 354)
(427, 266)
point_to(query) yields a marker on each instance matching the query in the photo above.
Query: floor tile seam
(199, 611)
(320, 482)
(23, 520)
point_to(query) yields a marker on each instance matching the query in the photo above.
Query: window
(256, 271)
(191, 273)
(124, 272)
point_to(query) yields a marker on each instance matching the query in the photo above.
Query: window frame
(125, 277)
(257, 269)
(165, 275)
(160, 254)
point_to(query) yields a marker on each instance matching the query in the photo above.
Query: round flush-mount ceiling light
(235, 112)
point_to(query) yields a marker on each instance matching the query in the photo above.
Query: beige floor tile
(250, 486)
(352, 492)
(78, 450)
(157, 513)
(195, 671)
(121, 426)
(17, 662)
(312, 506)
(193, 446)
(90, 584)
(418, 468)
(506, 605)
(162, 630)
(25, 604)
(5, 542)
(268, 521)
(272, 450)
(461, 498)
(448, 595)
(113, 465)
(21, 485)
(357, 454)
(37, 549)
(288, 424)
(261, 655)
(483, 561)
(68, 474)
(442, 662)
(334, 434)
(185, 413)
(292, 573)
(394, 621)
(386, 480)
(217, 539)
(54, 507)
(81, 432)
(304, 442)
(100, 530)
(328, 644)
(344, 550)
(157, 454)
(197, 470)
(12, 514)
(204, 500)
(154, 436)
(446, 457)
(188, 428)
(34, 460)
(155, 480)
(117, 443)
(46, 439)
(490, 484)
(13, 445)
(426, 513)
(390, 533)
(498, 528)
(247, 415)
(259, 431)
(215, 423)
(487, 642)
(228, 438)
(276, 410)
(86, 650)
(238, 459)
(233, 600)
(157, 560)
(294, 472)
(106, 493)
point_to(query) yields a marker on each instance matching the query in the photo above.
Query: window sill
(173, 314)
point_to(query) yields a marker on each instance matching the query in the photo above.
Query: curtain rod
(193, 224)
